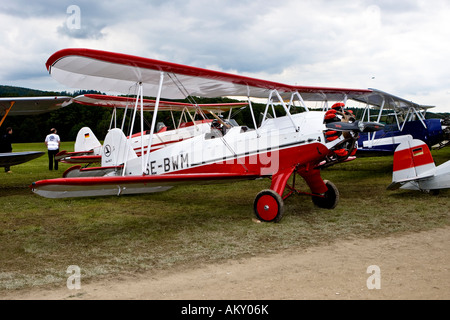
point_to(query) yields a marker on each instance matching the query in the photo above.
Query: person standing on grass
(5, 145)
(52, 142)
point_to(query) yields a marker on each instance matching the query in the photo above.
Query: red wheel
(268, 206)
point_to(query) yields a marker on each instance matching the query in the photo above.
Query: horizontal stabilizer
(77, 157)
(78, 171)
(394, 186)
(397, 184)
(386, 142)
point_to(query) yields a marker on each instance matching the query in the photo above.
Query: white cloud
(402, 44)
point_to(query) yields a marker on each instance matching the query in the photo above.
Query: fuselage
(390, 137)
(275, 145)
(165, 138)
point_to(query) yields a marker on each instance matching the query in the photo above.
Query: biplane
(23, 106)
(414, 169)
(88, 148)
(280, 147)
(403, 119)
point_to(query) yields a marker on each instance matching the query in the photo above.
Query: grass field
(190, 225)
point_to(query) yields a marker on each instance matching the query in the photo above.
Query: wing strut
(113, 118)
(140, 94)
(141, 100)
(6, 113)
(155, 113)
(251, 111)
(302, 102)
(124, 117)
(280, 99)
(372, 139)
(286, 110)
(420, 117)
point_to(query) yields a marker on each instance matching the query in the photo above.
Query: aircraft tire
(331, 197)
(268, 206)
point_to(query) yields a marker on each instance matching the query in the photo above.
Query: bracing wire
(182, 88)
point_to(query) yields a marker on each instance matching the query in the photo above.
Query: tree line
(70, 119)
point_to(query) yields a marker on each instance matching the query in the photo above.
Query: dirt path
(413, 266)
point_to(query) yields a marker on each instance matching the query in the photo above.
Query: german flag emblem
(417, 152)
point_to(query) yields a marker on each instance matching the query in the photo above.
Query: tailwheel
(329, 199)
(268, 206)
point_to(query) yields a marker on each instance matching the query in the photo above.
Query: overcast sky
(401, 47)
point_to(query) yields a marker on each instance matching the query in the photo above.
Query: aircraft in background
(414, 169)
(402, 119)
(20, 106)
(88, 148)
(281, 147)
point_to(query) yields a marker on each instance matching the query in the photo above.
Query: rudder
(86, 141)
(116, 149)
(411, 159)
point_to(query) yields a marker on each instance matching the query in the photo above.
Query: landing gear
(329, 199)
(268, 206)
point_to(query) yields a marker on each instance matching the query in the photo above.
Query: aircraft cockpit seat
(160, 127)
(216, 125)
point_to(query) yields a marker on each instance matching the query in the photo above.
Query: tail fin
(412, 159)
(86, 140)
(116, 149)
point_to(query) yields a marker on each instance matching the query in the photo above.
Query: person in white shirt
(52, 142)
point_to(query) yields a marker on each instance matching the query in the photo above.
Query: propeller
(357, 126)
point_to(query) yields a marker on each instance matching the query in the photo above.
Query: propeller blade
(372, 126)
(357, 126)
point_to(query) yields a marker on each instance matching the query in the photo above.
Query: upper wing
(378, 97)
(32, 105)
(148, 105)
(115, 72)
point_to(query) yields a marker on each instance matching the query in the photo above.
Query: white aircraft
(283, 145)
(414, 169)
(88, 148)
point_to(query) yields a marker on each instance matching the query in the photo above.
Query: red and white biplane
(280, 147)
